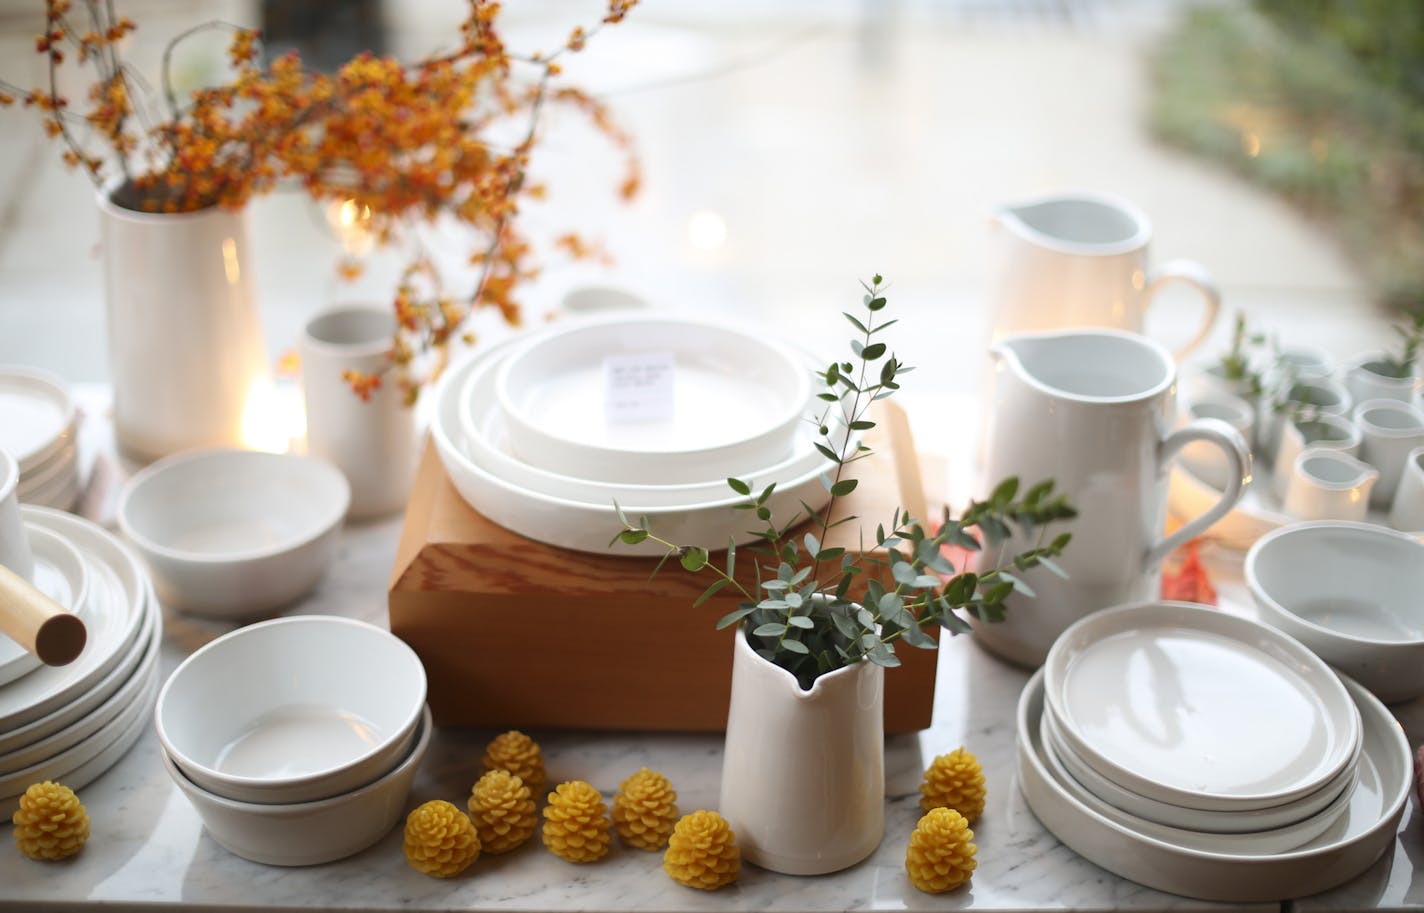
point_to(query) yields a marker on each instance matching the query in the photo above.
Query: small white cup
(1389, 430)
(1407, 514)
(15, 551)
(1323, 432)
(1324, 396)
(1365, 382)
(1304, 363)
(1203, 459)
(372, 442)
(1329, 485)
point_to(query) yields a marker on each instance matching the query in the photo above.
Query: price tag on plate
(638, 388)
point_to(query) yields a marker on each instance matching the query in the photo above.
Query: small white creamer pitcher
(1080, 260)
(1093, 409)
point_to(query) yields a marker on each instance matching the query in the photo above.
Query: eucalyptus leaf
(734, 616)
(801, 621)
(770, 629)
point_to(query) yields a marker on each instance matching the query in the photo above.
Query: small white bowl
(308, 833)
(292, 710)
(1351, 592)
(235, 533)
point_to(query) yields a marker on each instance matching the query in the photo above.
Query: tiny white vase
(1365, 382)
(803, 774)
(185, 341)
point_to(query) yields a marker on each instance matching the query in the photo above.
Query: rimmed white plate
(1175, 702)
(117, 602)
(1256, 514)
(50, 473)
(37, 415)
(1261, 842)
(588, 527)
(1346, 849)
(59, 574)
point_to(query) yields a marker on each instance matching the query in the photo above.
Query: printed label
(638, 388)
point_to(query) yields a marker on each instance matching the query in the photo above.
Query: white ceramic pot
(1389, 430)
(803, 774)
(185, 341)
(1364, 381)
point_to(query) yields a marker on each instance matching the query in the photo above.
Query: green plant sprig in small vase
(815, 608)
(1411, 336)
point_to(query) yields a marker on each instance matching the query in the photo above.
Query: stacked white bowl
(654, 411)
(39, 427)
(296, 739)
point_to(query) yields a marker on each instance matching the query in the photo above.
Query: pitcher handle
(1213, 431)
(1194, 274)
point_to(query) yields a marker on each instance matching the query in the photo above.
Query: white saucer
(59, 574)
(37, 415)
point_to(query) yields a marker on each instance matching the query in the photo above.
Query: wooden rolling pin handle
(38, 623)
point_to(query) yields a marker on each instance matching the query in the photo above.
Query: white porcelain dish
(1150, 695)
(1261, 842)
(235, 533)
(117, 606)
(327, 705)
(1351, 592)
(1346, 849)
(60, 493)
(736, 400)
(37, 416)
(60, 574)
(51, 474)
(584, 526)
(486, 441)
(308, 833)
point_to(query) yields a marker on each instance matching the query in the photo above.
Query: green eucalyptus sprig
(1411, 336)
(814, 608)
(1236, 363)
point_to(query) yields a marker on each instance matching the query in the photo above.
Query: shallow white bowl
(292, 710)
(1351, 592)
(235, 533)
(737, 401)
(308, 833)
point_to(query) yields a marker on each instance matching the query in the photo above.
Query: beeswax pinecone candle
(517, 753)
(50, 823)
(440, 839)
(576, 823)
(645, 810)
(956, 781)
(702, 852)
(502, 811)
(940, 856)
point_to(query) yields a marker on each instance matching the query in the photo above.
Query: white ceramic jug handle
(1214, 431)
(1194, 274)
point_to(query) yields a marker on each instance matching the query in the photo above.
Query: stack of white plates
(1208, 755)
(534, 435)
(39, 428)
(71, 723)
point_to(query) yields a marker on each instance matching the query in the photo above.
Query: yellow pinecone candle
(50, 823)
(440, 839)
(645, 810)
(956, 781)
(517, 753)
(502, 810)
(576, 823)
(702, 852)
(940, 856)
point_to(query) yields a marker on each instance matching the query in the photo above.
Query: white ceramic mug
(1389, 430)
(373, 441)
(1407, 513)
(1323, 432)
(15, 551)
(1091, 410)
(1329, 485)
(1080, 260)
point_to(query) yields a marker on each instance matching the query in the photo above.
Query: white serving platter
(59, 573)
(37, 416)
(1346, 849)
(1174, 701)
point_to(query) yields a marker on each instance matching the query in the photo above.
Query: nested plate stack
(1208, 755)
(72, 723)
(39, 427)
(543, 434)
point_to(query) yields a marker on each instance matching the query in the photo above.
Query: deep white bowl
(308, 833)
(292, 710)
(235, 533)
(1351, 592)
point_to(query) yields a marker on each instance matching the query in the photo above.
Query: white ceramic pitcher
(1080, 260)
(1093, 409)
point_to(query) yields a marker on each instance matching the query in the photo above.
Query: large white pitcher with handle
(1080, 260)
(1093, 410)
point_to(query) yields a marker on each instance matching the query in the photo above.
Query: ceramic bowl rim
(1253, 581)
(1357, 415)
(334, 516)
(348, 349)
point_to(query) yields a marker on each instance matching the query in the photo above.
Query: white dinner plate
(37, 416)
(1261, 842)
(1346, 849)
(1175, 702)
(59, 574)
(117, 603)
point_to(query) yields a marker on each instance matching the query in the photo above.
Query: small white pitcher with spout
(1080, 260)
(1093, 410)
